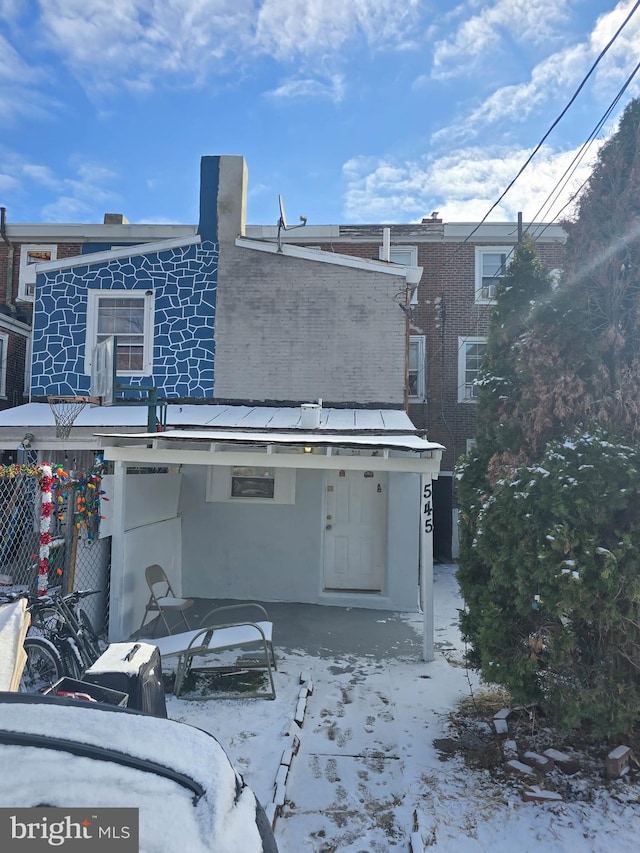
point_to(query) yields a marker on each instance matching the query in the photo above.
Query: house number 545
(427, 509)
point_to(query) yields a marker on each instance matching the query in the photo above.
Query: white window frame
(418, 341)
(481, 251)
(413, 252)
(93, 299)
(465, 389)
(219, 486)
(27, 274)
(4, 344)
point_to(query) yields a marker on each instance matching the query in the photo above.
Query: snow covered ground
(366, 768)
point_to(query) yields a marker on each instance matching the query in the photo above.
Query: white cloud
(18, 81)
(78, 194)
(134, 43)
(461, 185)
(308, 89)
(479, 37)
(556, 78)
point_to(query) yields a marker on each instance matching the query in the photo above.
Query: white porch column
(117, 593)
(426, 563)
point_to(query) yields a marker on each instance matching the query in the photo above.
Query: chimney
(115, 219)
(223, 198)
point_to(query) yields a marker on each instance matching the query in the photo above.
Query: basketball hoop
(66, 410)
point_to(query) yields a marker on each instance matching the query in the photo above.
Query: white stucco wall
(274, 553)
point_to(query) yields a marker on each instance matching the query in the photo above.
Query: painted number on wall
(427, 509)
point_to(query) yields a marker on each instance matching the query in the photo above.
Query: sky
(355, 111)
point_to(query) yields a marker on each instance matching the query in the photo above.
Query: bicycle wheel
(88, 638)
(43, 667)
(47, 622)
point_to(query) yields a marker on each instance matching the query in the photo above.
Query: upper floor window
(408, 257)
(491, 265)
(128, 314)
(29, 257)
(470, 354)
(416, 367)
(4, 345)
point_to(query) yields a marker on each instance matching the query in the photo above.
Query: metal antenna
(282, 223)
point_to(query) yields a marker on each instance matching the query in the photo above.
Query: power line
(551, 128)
(571, 169)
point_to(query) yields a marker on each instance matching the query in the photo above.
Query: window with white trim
(128, 314)
(417, 367)
(4, 349)
(408, 257)
(470, 354)
(250, 484)
(29, 257)
(491, 265)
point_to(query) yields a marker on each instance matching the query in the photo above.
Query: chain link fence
(78, 557)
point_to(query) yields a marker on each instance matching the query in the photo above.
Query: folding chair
(212, 638)
(162, 600)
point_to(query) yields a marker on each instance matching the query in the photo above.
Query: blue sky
(354, 110)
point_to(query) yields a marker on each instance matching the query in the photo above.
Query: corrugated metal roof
(219, 416)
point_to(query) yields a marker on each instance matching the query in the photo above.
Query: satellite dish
(283, 219)
(282, 222)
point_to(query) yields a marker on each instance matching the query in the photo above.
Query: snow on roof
(215, 415)
(319, 438)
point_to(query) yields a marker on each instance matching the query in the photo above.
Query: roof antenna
(282, 223)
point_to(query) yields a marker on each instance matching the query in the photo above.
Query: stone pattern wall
(184, 281)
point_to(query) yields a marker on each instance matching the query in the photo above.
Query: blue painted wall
(184, 281)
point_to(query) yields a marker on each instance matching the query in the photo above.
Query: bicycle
(60, 642)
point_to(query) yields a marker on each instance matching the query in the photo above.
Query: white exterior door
(355, 537)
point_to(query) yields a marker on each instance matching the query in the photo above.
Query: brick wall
(65, 250)
(449, 276)
(289, 329)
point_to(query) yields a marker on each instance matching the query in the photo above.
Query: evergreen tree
(550, 495)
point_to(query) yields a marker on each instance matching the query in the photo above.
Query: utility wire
(546, 135)
(571, 169)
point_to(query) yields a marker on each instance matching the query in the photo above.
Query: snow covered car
(75, 755)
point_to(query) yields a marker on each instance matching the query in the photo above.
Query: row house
(447, 317)
(287, 467)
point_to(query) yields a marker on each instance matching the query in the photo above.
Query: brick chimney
(223, 198)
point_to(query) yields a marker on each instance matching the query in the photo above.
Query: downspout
(10, 250)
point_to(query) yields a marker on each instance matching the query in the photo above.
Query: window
(416, 366)
(470, 354)
(491, 264)
(250, 481)
(408, 257)
(29, 257)
(128, 315)
(4, 345)
(251, 484)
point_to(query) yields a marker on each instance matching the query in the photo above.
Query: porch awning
(281, 449)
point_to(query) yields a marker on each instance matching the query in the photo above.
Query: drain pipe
(10, 250)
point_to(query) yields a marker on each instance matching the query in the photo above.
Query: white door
(355, 537)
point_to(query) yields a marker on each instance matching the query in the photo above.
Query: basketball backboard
(103, 371)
